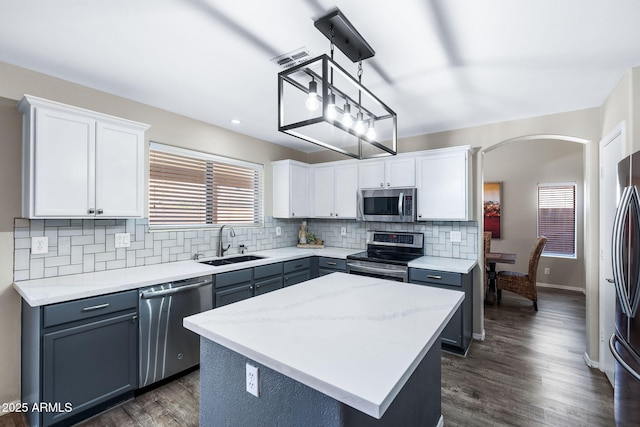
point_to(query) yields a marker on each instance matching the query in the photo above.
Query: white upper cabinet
(443, 184)
(290, 189)
(80, 164)
(334, 190)
(396, 172)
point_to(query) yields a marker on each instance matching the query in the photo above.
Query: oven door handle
(376, 270)
(401, 205)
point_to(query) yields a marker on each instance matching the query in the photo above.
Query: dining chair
(487, 249)
(520, 283)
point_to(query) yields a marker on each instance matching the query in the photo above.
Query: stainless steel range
(388, 255)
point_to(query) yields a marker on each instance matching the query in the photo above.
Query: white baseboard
(479, 337)
(590, 363)
(563, 287)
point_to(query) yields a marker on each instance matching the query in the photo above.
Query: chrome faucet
(222, 250)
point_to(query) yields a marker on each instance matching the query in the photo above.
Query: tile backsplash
(84, 246)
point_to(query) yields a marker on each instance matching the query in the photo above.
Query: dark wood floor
(528, 372)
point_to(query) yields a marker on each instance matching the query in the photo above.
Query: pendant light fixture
(309, 96)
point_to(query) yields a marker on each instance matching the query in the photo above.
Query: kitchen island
(337, 350)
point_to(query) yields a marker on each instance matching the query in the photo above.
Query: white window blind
(190, 189)
(557, 218)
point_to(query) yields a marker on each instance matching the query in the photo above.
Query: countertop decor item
(318, 96)
(302, 234)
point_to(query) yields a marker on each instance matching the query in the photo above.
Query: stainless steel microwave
(387, 205)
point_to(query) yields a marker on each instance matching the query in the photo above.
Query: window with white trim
(192, 189)
(557, 218)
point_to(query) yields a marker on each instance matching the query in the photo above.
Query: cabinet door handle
(100, 212)
(293, 214)
(257, 286)
(382, 184)
(92, 211)
(429, 276)
(251, 287)
(96, 307)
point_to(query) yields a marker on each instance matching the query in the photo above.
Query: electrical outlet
(343, 231)
(123, 240)
(456, 236)
(278, 231)
(547, 270)
(39, 245)
(252, 380)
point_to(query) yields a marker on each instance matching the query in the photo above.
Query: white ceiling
(440, 64)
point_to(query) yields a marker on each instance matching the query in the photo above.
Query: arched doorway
(546, 141)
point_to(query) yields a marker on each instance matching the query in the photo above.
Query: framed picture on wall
(492, 208)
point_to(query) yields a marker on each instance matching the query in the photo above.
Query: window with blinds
(557, 218)
(192, 189)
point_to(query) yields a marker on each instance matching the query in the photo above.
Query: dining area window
(557, 218)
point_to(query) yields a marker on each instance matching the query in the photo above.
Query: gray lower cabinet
(297, 271)
(235, 286)
(79, 357)
(232, 287)
(331, 265)
(267, 278)
(456, 336)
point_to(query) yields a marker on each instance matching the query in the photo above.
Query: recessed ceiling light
(235, 121)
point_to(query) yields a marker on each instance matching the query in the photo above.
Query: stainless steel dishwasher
(166, 347)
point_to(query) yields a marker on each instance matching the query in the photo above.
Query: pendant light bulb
(359, 127)
(313, 103)
(347, 120)
(371, 131)
(332, 113)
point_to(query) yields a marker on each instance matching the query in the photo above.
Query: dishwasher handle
(172, 291)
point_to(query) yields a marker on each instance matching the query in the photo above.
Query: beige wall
(165, 127)
(520, 166)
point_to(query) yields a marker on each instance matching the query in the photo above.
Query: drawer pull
(95, 307)
(332, 263)
(430, 276)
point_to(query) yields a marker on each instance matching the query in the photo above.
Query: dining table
(491, 259)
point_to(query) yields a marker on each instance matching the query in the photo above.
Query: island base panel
(286, 402)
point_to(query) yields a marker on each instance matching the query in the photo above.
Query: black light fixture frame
(342, 34)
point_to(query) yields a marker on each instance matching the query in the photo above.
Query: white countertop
(356, 339)
(52, 290)
(454, 265)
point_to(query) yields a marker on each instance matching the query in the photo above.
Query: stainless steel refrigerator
(625, 342)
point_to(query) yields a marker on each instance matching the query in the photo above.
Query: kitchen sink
(232, 260)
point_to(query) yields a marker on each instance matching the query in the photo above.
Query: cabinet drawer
(233, 294)
(267, 285)
(71, 311)
(295, 278)
(267, 270)
(297, 264)
(332, 263)
(232, 278)
(435, 276)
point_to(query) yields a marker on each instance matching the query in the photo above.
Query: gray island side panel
(284, 401)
